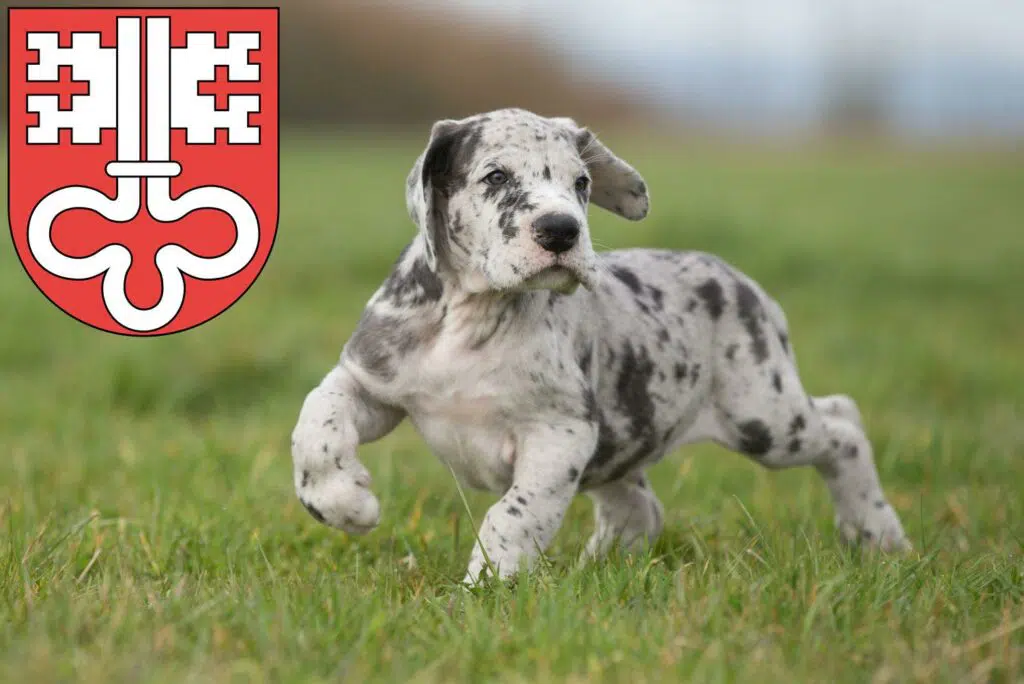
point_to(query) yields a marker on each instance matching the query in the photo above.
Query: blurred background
(909, 69)
(861, 159)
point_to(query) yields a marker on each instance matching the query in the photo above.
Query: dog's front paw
(340, 497)
(877, 528)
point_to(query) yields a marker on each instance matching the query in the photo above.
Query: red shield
(143, 160)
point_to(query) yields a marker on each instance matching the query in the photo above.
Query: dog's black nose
(556, 232)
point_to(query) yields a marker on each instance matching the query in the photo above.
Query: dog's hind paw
(880, 529)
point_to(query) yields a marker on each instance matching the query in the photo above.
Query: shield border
(277, 152)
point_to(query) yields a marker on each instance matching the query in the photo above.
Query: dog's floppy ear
(428, 187)
(615, 185)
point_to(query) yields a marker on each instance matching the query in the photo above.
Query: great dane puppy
(536, 389)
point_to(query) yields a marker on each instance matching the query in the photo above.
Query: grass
(150, 532)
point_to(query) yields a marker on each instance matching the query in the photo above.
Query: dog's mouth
(558, 269)
(559, 277)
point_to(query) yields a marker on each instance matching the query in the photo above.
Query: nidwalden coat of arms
(143, 159)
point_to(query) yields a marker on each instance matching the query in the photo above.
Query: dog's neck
(485, 318)
(441, 295)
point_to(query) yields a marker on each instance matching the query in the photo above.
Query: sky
(944, 67)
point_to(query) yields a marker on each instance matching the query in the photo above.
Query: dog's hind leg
(626, 512)
(760, 409)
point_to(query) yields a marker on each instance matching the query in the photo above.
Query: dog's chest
(470, 438)
(464, 404)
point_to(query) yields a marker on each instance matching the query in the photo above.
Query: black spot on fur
(691, 305)
(633, 401)
(511, 206)
(585, 359)
(506, 315)
(439, 160)
(755, 438)
(313, 511)
(513, 194)
(680, 371)
(457, 225)
(730, 351)
(797, 424)
(852, 451)
(378, 338)
(777, 382)
(627, 277)
(784, 341)
(632, 397)
(547, 172)
(492, 191)
(620, 469)
(573, 474)
(657, 296)
(521, 500)
(414, 286)
(750, 312)
(515, 512)
(305, 478)
(606, 447)
(590, 403)
(443, 173)
(794, 446)
(713, 296)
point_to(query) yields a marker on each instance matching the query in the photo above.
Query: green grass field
(150, 531)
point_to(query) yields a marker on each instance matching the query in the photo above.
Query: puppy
(535, 388)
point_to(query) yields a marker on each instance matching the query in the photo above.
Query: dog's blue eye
(582, 183)
(496, 178)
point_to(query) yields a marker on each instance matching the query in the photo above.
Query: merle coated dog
(535, 388)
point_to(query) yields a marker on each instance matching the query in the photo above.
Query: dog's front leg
(336, 417)
(549, 461)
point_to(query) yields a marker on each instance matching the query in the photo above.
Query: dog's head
(501, 200)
